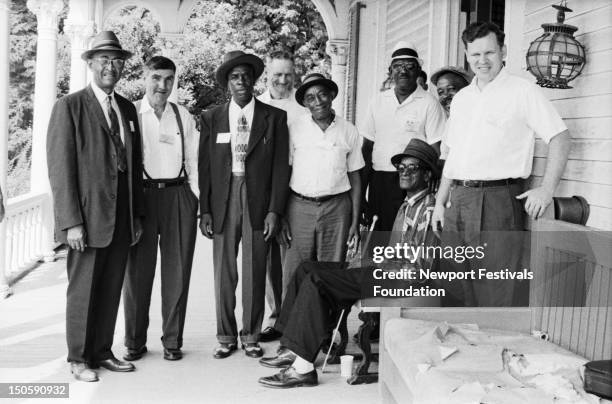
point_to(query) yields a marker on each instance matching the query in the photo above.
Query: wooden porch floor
(32, 349)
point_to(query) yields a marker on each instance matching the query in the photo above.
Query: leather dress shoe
(82, 372)
(135, 354)
(281, 360)
(173, 354)
(115, 365)
(224, 350)
(252, 350)
(288, 378)
(269, 334)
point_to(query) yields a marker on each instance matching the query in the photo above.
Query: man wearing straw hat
(394, 117)
(320, 288)
(243, 175)
(95, 170)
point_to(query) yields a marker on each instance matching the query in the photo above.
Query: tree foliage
(214, 27)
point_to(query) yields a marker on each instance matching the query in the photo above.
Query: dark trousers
(95, 277)
(274, 280)
(491, 217)
(385, 198)
(170, 221)
(236, 228)
(315, 294)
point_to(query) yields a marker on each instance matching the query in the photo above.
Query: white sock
(302, 366)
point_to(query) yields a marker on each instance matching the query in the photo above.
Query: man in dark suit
(244, 177)
(95, 170)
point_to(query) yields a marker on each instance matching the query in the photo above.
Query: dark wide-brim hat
(314, 79)
(106, 41)
(234, 58)
(467, 76)
(422, 151)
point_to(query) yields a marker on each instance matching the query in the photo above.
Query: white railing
(25, 233)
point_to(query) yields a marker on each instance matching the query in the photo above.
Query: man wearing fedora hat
(322, 214)
(320, 288)
(394, 117)
(95, 170)
(243, 175)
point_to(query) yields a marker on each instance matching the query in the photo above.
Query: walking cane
(332, 341)
(364, 244)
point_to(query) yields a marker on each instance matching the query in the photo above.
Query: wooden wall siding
(408, 21)
(586, 108)
(573, 305)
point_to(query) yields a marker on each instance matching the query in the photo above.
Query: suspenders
(182, 175)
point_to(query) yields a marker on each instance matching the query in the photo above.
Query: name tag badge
(164, 138)
(412, 124)
(224, 137)
(132, 128)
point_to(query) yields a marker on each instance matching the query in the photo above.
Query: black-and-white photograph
(228, 201)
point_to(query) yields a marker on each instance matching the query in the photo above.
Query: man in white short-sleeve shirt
(491, 133)
(280, 93)
(322, 214)
(395, 116)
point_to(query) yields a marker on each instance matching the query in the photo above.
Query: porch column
(45, 91)
(4, 91)
(170, 45)
(338, 50)
(80, 34)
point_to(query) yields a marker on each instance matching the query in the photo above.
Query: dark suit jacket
(83, 169)
(266, 164)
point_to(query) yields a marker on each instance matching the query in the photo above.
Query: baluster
(21, 240)
(12, 247)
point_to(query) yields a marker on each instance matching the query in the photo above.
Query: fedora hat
(422, 151)
(453, 70)
(404, 50)
(234, 58)
(313, 79)
(105, 41)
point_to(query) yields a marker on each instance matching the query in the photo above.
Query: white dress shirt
(289, 105)
(235, 111)
(101, 96)
(162, 148)
(321, 160)
(391, 125)
(491, 132)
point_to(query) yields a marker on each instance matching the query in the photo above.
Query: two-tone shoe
(224, 350)
(115, 365)
(252, 350)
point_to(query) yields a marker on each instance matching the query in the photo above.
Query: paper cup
(346, 365)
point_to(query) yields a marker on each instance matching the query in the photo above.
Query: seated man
(320, 288)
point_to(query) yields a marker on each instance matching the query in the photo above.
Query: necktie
(116, 136)
(241, 143)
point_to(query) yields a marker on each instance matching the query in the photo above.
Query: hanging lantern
(556, 57)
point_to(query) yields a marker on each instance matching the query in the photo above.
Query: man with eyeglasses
(95, 170)
(170, 147)
(319, 289)
(394, 117)
(322, 215)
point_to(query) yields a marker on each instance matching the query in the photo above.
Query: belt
(161, 184)
(482, 184)
(316, 199)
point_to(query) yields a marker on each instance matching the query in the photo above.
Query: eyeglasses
(399, 66)
(408, 169)
(118, 63)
